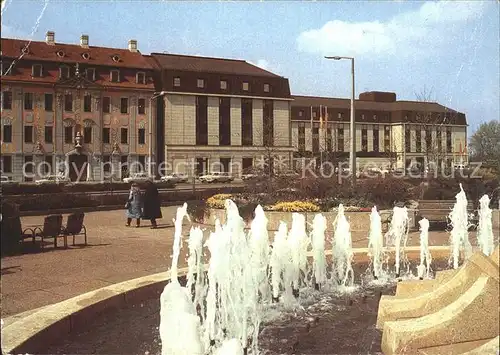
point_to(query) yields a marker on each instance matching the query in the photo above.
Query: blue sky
(450, 49)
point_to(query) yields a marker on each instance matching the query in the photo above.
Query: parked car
(175, 178)
(138, 177)
(216, 177)
(250, 174)
(5, 179)
(53, 179)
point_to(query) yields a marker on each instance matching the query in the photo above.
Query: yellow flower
(295, 206)
(218, 201)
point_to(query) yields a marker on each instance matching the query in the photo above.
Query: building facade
(389, 133)
(58, 97)
(222, 115)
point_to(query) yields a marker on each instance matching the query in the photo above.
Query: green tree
(485, 143)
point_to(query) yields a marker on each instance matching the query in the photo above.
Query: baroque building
(390, 133)
(57, 95)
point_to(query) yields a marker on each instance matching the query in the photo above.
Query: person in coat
(152, 205)
(134, 205)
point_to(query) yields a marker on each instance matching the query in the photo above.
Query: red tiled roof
(209, 65)
(41, 51)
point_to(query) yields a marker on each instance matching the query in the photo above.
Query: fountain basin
(47, 325)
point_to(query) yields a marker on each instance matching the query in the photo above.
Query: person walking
(134, 205)
(152, 205)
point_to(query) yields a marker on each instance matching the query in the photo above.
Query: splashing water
(318, 245)
(195, 267)
(425, 255)
(299, 242)
(281, 264)
(459, 238)
(259, 252)
(342, 250)
(181, 213)
(485, 227)
(376, 243)
(397, 236)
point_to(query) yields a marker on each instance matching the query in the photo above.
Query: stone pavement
(115, 253)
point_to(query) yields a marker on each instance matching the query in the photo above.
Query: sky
(448, 51)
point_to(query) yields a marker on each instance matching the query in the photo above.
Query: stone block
(479, 347)
(413, 288)
(468, 318)
(393, 308)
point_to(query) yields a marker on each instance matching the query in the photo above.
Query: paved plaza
(115, 253)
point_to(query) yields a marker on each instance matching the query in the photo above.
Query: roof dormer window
(223, 85)
(64, 72)
(37, 71)
(114, 76)
(140, 78)
(90, 74)
(25, 50)
(60, 53)
(116, 58)
(245, 86)
(86, 56)
(267, 88)
(177, 81)
(200, 83)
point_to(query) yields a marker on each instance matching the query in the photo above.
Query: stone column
(235, 121)
(213, 120)
(257, 123)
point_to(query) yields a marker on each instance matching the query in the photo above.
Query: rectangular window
(387, 138)
(246, 122)
(68, 102)
(49, 102)
(376, 138)
(340, 139)
(106, 104)
(7, 100)
(364, 139)
(87, 135)
(225, 165)
(407, 138)
(7, 134)
(439, 140)
(29, 168)
(225, 121)
(114, 76)
(124, 135)
(48, 166)
(63, 72)
(266, 88)
(200, 83)
(28, 134)
(49, 134)
(418, 140)
(124, 163)
(106, 163)
(315, 137)
(302, 137)
(177, 81)
(141, 78)
(124, 105)
(201, 120)
(223, 85)
(37, 71)
(6, 163)
(28, 101)
(141, 106)
(268, 123)
(428, 139)
(329, 139)
(245, 86)
(141, 136)
(87, 103)
(90, 74)
(142, 162)
(247, 164)
(68, 135)
(106, 135)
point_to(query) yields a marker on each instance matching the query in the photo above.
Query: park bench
(439, 211)
(74, 226)
(52, 227)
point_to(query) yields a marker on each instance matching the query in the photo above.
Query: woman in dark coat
(151, 206)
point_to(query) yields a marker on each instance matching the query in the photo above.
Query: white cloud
(424, 30)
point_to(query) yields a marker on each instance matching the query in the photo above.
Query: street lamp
(150, 124)
(352, 153)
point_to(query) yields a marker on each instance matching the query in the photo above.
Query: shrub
(384, 192)
(295, 206)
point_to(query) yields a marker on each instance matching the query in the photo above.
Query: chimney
(84, 41)
(50, 38)
(132, 45)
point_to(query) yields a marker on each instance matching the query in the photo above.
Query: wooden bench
(439, 211)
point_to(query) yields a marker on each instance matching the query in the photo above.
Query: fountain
(259, 252)
(425, 256)
(280, 262)
(195, 267)
(397, 236)
(376, 243)
(298, 241)
(459, 235)
(485, 228)
(318, 246)
(342, 250)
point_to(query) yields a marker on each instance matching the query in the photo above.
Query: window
(223, 85)
(376, 137)
(200, 83)
(6, 163)
(301, 113)
(340, 139)
(7, 100)
(225, 121)
(266, 88)
(49, 134)
(124, 105)
(302, 137)
(374, 117)
(7, 134)
(141, 106)
(87, 103)
(106, 104)
(439, 139)
(106, 160)
(315, 114)
(37, 71)
(64, 72)
(245, 86)
(68, 102)
(268, 123)
(28, 167)
(47, 166)
(114, 76)
(329, 139)
(246, 122)
(124, 135)
(68, 135)
(247, 164)
(28, 134)
(428, 139)
(387, 138)
(106, 135)
(177, 81)
(315, 138)
(28, 101)
(140, 78)
(339, 115)
(124, 164)
(418, 139)
(87, 135)
(142, 162)
(407, 138)
(141, 136)
(201, 120)
(225, 165)
(49, 102)
(90, 74)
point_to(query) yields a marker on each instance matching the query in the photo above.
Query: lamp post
(150, 128)
(352, 148)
